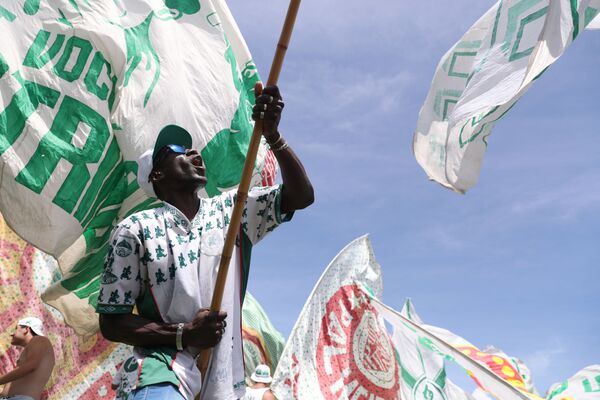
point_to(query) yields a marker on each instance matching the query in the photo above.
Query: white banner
(482, 77)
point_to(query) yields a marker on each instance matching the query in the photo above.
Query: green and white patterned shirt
(167, 266)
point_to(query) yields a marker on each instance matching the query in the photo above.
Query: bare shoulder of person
(41, 344)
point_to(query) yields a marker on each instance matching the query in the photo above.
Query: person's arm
(297, 190)
(204, 331)
(35, 354)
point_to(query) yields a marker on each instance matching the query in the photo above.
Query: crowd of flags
(79, 98)
(341, 348)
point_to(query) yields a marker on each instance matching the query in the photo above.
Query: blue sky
(515, 261)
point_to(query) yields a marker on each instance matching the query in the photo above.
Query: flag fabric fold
(481, 78)
(84, 89)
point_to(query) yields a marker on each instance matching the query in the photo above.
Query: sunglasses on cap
(173, 148)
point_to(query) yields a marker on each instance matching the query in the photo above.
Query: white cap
(262, 374)
(34, 323)
(143, 174)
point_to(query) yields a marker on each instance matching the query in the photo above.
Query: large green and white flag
(339, 348)
(584, 385)
(482, 77)
(431, 340)
(85, 86)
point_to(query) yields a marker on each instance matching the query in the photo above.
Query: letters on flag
(339, 348)
(85, 86)
(482, 77)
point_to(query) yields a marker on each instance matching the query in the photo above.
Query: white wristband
(179, 337)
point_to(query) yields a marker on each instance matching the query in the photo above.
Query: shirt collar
(180, 219)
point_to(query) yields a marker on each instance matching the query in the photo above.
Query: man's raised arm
(297, 190)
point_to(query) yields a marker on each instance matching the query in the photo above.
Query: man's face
(19, 336)
(179, 170)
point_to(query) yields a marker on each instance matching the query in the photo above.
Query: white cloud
(565, 202)
(540, 361)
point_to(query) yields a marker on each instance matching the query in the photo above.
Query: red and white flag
(339, 348)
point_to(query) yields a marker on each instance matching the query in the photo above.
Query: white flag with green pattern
(85, 86)
(430, 341)
(423, 371)
(482, 77)
(584, 385)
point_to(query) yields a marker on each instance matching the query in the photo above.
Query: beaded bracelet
(279, 145)
(274, 144)
(283, 146)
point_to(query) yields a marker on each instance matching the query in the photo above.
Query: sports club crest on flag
(339, 347)
(353, 351)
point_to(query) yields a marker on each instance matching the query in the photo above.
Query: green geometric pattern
(445, 101)
(516, 53)
(590, 14)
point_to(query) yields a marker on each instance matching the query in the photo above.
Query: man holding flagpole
(165, 261)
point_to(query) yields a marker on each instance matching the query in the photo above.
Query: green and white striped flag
(482, 77)
(85, 86)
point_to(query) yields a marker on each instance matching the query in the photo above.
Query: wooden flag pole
(242, 193)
